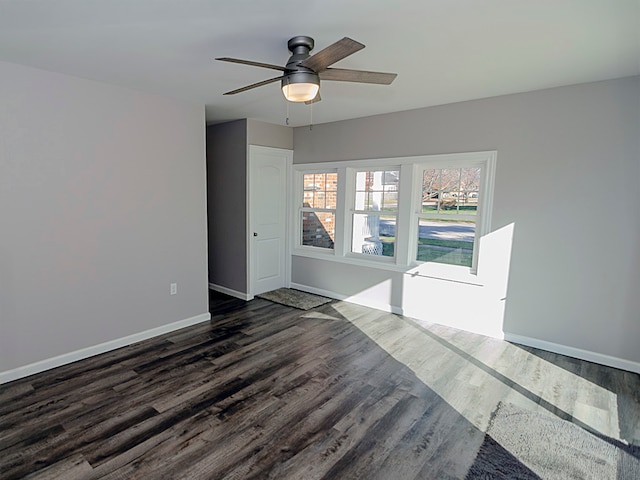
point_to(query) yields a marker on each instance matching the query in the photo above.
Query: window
(426, 213)
(318, 209)
(447, 215)
(375, 212)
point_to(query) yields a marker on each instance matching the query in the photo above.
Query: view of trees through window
(447, 223)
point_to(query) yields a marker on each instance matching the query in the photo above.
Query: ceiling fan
(303, 72)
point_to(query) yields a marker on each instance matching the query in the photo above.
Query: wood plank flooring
(265, 391)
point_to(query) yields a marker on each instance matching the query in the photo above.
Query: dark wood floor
(267, 391)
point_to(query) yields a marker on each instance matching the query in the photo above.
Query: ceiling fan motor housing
(300, 47)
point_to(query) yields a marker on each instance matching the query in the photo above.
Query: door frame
(288, 154)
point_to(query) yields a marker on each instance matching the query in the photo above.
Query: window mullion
(343, 232)
(404, 222)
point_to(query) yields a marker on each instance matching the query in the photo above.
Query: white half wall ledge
(231, 292)
(385, 307)
(83, 353)
(574, 352)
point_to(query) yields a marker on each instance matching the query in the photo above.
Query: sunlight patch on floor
(472, 373)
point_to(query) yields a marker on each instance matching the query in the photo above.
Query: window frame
(409, 208)
(485, 199)
(300, 209)
(351, 182)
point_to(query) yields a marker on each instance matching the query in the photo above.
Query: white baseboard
(574, 352)
(385, 307)
(228, 291)
(587, 355)
(70, 357)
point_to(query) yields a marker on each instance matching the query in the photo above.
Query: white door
(268, 189)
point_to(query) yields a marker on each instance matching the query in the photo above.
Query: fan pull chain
(311, 117)
(287, 120)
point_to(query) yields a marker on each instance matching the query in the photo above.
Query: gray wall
(102, 206)
(227, 204)
(269, 135)
(567, 181)
(227, 150)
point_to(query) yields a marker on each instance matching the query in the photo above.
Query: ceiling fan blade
(249, 62)
(316, 99)
(360, 76)
(254, 85)
(330, 55)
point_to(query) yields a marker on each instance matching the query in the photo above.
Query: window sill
(450, 273)
(439, 271)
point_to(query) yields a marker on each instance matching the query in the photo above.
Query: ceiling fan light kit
(302, 74)
(300, 86)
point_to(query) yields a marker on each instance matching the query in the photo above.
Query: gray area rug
(521, 444)
(295, 298)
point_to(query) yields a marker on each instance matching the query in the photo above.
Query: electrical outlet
(173, 288)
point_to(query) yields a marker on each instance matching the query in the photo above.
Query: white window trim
(298, 179)
(350, 196)
(481, 217)
(406, 227)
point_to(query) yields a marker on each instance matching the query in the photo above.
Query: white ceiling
(443, 50)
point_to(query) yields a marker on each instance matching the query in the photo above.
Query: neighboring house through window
(318, 209)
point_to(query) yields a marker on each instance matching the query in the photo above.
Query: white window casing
(409, 210)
